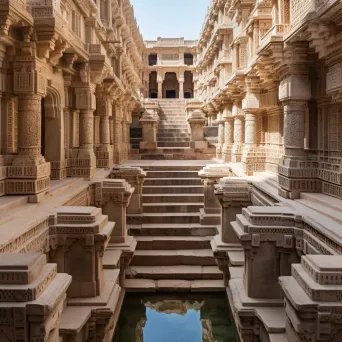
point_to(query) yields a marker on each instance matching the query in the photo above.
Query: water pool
(175, 318)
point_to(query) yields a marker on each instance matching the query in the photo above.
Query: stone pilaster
(135, 176)
(196, 122)
(313, 299)
(32, 297)
(83, 161)
(210, 175)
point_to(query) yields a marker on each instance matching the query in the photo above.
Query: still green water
(175, 318)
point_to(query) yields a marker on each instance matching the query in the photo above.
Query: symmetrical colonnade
(266, 72)
(70, 82)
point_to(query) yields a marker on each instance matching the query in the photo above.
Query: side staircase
(173, 136)
(173, 251)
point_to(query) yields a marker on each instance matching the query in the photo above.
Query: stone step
(172, 126)
(178, 189)
(174, 137)
(171, 218)
(174, 285)
(172, 207)
(168, 150)
(172, 230)
(172, 181)
(162, 131)
(173, 144)
(203, 257)
(185, 272)
(173, 242)
(171, 174)
(169, 198)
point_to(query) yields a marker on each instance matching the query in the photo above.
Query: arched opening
(170, 86)
(53, 133)
(153, 85)
(188, 85)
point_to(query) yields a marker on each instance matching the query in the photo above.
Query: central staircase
(173, 136)
(173, 249)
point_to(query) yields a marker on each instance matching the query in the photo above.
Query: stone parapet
(32, 297)
(149, 123)
(75, 227)
(79, 237)
(313, 299)
(233, 193)
(196, 122)
(113, 196)
(135, 176)
(210, 175)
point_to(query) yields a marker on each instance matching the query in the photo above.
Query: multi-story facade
(272, 84)
(265, 73)
(169, 68)
(71, 77)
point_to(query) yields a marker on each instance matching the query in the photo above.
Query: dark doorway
(152, 59)
(187, 95)
(154, 95)
(170, 94)
(188, 59)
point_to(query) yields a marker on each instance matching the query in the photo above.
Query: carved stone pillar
(104, 153)
(160, 86)
(228, 139)
(117, 121)
(220, 138)
(181, 89)
(32, 297)
(149, 123)
(196, 121)
(83, 162)
(117, 141)
(29, 173)
(210, 175)
(238, 139)
(253, 157)
(297, 172)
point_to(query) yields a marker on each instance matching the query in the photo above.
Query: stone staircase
(173, 250)
(173, 136)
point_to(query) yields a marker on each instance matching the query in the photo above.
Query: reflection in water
(175, 319)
